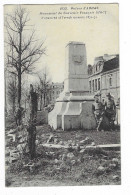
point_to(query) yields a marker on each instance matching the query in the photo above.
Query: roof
(111, 64)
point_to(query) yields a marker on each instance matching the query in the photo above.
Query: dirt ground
(64, 167)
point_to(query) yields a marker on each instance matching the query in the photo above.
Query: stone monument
(73, 108)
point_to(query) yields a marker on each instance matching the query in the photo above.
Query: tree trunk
(19, 65)
(32, 124)
(44, 99)
(41, 101)
(19, 88)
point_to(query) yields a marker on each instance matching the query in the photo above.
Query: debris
(100, 170)
(82, 151)
(56, 161)
(21, 147)
(61, 143)
(93, 144)
(56, 141)
(86, 141)
(22, 140)
(36, 142)
(11, 131)
(115, 160)
(78, 148)
(73, 162)
(64, 157)
(51, 139)
(115, 177)
(70, 155)
(112, 165)
(12, 136)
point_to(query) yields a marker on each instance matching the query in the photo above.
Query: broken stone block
(21, 147)
(56, 141)
(73, 162)
(64, 157)
(93, 144)
(74, 143)
(86, 141)
(51, 139)
(100, 170)
(82, 151)
(14, 156)
(11, 136)
(79, 160)
(115, 177)
(61, 143)
(22, 140)
(36, 142)
(19, 137)
(56, 161)
(12, 131)
(115, 160)
(7, 151)
(13, 160)
(70, 155)
(112, 165)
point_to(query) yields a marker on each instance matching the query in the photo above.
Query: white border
(125, 80)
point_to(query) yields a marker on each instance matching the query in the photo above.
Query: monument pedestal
(73, 112)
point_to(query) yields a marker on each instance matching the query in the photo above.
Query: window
(96, 84)
(99, 85)
(90, 85)
(96, 67)
(93, 85)
(110, 81)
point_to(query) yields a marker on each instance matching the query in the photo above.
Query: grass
(106, 137)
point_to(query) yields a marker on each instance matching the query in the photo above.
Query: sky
(100, 35)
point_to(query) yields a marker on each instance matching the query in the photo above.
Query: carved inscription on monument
(78, 59)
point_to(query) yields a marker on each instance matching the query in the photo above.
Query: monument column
(76, 68)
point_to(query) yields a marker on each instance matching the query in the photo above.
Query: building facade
(104, 76)
(56, 89)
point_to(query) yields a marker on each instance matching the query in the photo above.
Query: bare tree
(23, 49)
(44, 87)
(12, 93)
(25, 95)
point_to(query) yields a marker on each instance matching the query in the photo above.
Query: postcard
(62, 95)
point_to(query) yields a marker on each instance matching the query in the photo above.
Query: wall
(110, 82)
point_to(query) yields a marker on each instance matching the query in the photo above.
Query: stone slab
(106, 146)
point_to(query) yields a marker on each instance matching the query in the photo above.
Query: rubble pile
(57, 157)
(16, 144)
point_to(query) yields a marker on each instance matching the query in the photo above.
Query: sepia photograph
(62, 95)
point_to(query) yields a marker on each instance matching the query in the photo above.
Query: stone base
(73, 112)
